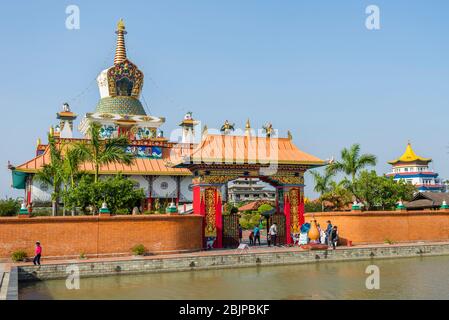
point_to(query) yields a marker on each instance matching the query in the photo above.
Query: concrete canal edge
(231, 259)
(9, 283)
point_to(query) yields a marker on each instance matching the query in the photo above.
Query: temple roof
(226, 149)
(140, 166)
(409, 156)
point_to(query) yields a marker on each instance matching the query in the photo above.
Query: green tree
(9, 207)
(380, 192)
(52, 173)
(338, 195)
(102, 152)
(118, 193)
(352, 162)
(73, 158)
(264, 208)
(322, 183)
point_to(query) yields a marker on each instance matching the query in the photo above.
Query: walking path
(221, 252)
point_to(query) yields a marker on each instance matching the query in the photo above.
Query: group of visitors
(254, 236)
(329, 236)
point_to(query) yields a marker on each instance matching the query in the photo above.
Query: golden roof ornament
(121, 25)
(409, 156)
(268, 128)
(248, 128)
(227, 127)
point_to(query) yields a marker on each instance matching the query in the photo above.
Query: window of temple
(124, 87)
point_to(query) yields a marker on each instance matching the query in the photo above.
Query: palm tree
(73, 157)
(322, 183)
(352, 162)
(52, 173)
(101, 152)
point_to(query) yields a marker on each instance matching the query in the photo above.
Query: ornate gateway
(280, 221)
(231, 231)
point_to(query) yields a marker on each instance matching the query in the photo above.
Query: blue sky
(308, 66)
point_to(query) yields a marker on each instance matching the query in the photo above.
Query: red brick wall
(71, 236)
(376, 227)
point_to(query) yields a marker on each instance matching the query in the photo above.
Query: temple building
(249, 189)
(193, 172)
(415, 170)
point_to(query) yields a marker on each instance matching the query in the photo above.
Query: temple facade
(193, 174)
(415, 170)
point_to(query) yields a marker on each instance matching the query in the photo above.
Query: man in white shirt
(273, 233)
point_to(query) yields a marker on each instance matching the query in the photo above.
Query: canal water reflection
(407, 278)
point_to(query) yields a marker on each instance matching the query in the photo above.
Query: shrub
(313, 206)
(9, 207)
(139, 250)
(19, 255)
(264, 207)
(118, 192)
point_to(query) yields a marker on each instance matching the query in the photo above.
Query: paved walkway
(219, 252)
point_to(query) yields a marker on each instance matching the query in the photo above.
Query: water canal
(406, 278)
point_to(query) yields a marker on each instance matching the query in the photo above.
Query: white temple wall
(142, 183)
(40, 191)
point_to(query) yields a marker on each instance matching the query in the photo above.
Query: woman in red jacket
(38, 253)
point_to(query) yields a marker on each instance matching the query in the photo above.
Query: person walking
(38, 253)
(273, 233)
(334, 237)
(256, 235)
(328, 232)
(251, 238)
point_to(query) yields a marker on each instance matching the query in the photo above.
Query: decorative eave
(259, 151)
(140, 166)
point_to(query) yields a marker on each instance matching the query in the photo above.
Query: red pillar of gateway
(293, 211)
(287, 213)
(207, 203)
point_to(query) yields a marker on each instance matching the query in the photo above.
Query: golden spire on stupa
(120, 50)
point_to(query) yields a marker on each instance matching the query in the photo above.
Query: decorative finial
(52, 131)
(268, 128)
(248, 128)
(227, 127)
(188, 116)
(204, 133)
(120, 51)
(38, 142)
(121, 25)
(289, 135)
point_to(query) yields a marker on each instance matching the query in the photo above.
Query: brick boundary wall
(381, 226)
(100, 236)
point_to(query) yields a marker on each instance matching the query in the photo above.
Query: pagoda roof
(409, 156)
(226, 149)
(140, 166)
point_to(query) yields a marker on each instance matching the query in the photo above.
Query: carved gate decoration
(219, 159)
(280, 221)
(231, 231)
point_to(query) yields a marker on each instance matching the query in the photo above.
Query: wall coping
(396, 213)
(46, 219)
